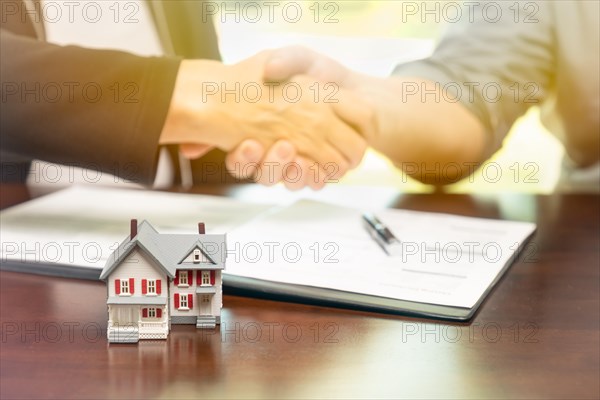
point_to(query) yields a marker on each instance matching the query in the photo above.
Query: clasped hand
(276, 123)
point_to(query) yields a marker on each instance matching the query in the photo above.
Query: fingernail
(250, 153)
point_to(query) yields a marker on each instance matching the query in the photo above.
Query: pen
(380, 233)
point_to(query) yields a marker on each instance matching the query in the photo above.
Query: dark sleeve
(497, 60)
(95, 109)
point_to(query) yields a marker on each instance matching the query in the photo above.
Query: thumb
(286, 62)
(283, 64)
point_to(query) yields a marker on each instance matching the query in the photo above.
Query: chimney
(134, 226)
(201, 229)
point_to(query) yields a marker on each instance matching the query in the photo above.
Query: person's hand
(220, 106)
(282, 65)
(280, 163)
(417, 125)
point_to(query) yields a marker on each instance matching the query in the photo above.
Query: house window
(197, 256)
(183, 278)
(125, 286)
(205, 278)
(183, 302)
(151, 286)
(151, 312)
(205, 298)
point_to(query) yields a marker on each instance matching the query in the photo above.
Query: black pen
(380, 233)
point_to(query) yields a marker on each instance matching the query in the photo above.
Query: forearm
(432, 138)
(91, 108)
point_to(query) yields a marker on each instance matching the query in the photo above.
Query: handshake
(295, 107)
(276, 109)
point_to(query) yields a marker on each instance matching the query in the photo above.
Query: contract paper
(441, 259)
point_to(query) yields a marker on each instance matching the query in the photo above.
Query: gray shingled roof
(168, 250)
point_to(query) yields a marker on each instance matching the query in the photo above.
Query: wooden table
(536, 336)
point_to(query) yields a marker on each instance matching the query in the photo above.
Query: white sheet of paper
(443, 259)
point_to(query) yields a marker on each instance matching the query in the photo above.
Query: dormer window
(197, 256)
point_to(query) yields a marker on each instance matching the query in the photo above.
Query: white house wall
(137, 265)
(217, 299)
(217, 304)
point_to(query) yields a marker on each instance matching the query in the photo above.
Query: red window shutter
(212, 277)
(190, 301)
(176, 277)
(144, 286)
(198, 277)
(131, 285)
(145, 312)
(117, 286)
(176, 300)
(191, 277)
(159, 313)
(158, 286)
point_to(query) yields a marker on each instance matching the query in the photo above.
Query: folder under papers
(309, 251)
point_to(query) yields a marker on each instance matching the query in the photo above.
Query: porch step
(123, 335)
(206, 322)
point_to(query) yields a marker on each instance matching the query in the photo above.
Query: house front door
(205, 304)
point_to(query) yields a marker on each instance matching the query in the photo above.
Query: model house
(155, 280)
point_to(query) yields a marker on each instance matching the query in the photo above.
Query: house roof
(137, 300)
(195, 246)
(167, 250)
(205, 290)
